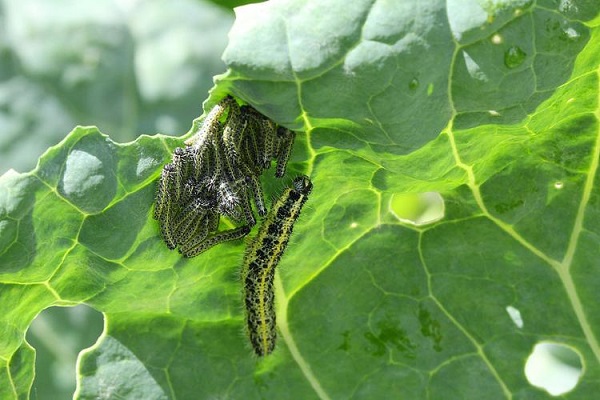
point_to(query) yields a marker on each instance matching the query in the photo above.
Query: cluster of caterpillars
(218, 174)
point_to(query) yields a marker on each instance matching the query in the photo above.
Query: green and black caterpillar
(261, 259)
(217, 173)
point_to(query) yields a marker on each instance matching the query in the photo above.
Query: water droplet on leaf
(514, 56)
(413, 84)
(430, 89)
(418, 208)
(567, 6)
(570, 34)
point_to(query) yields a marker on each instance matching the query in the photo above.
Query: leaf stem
(565, 266)
(282, 324)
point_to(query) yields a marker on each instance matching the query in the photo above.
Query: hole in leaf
(515, 315)
(554, 367)
(58, 334)
(418, 208)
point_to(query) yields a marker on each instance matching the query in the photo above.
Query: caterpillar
(218, 174)
(286, 141)
(200, 245)
(261, 259)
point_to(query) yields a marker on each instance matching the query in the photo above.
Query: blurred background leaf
(128, 67)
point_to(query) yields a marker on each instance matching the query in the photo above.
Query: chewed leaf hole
(554, 367)
(58, 334)
(418, 208)
(515, 315)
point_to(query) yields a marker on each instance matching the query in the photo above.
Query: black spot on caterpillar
(261, 258)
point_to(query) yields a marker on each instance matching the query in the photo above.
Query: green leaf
(492, 109)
